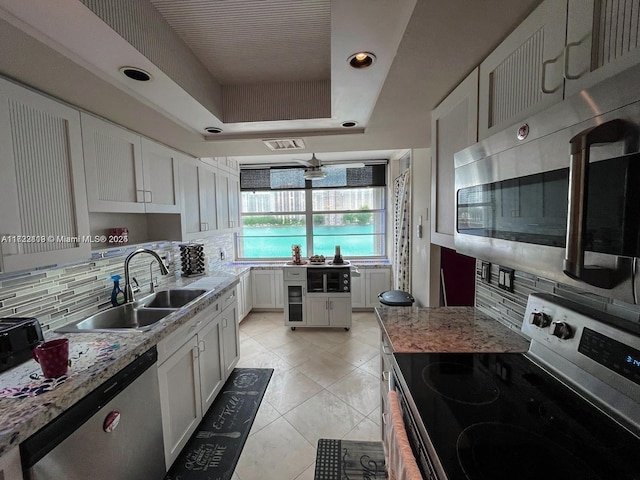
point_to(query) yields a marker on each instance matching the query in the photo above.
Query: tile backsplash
(509, 307)
(62, 294)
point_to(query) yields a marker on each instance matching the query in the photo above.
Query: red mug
(53, 357)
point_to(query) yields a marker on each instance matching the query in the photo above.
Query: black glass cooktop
(499, 416)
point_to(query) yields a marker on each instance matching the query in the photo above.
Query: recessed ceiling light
(213, 130)
(361, 59)
(135, 73)
(349, 123)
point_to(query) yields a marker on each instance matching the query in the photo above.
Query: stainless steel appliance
(568, 408)
(115, 432)
(557, 196)
(328, 280)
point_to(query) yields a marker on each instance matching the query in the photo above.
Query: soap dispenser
(117, 295)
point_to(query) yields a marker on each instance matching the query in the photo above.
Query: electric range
(566, 409)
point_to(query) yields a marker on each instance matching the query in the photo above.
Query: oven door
(512, 199)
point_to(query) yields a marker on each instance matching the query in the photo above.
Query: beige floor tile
(255, 324)
(242, 336)
(249, 346)
(289, 389)
(358, 389)
(323, 416)
(376, 416)
(366, 430)
(355, 352)
(309, 473)
(370, 336)
(277, 452)
(373, 366)
(297, 352)
(276, 337)
(266, 414)
(325, 368)
(326, 337)
(263, 359)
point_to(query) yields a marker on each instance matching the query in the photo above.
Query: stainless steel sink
(172, 298)
(124, 318)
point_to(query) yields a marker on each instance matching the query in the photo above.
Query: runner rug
(214, 449)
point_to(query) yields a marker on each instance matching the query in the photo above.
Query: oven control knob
(561, 330)
(540, 319)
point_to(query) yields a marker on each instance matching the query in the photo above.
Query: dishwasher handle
(55, 432)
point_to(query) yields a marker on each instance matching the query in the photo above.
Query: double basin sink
(140, 315)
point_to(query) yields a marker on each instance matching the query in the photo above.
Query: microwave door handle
(573, 265)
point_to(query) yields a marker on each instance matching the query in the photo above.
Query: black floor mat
(214, 449)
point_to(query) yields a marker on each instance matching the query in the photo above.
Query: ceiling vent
(278, 144)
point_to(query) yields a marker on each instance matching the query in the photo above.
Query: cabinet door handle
(203, 226)
(194, 352)
(140, 196)
(544, 77)
(224, 323)
(204, 346)
(567, 48)
(385, 376)
(386, 350)
(384, 418)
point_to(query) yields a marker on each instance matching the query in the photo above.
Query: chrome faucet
(128, 289)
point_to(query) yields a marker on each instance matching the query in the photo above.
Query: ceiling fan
(315, 168)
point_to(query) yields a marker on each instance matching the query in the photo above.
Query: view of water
(354, 240)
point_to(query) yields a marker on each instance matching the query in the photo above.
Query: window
(280, 209)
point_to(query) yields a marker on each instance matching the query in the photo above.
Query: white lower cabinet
(245, 295)
(366, 288)
(267, 288)
(179, 380)
(212, 374)
(230, 338)
(328, 310)
(194, 363)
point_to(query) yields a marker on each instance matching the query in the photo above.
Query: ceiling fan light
(314, 174)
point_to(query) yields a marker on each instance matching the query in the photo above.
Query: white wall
(421, 206)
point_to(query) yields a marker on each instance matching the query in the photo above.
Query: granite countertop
(21, 417)
(447, 329)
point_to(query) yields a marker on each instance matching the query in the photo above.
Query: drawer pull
(193, 327)
(386, 349)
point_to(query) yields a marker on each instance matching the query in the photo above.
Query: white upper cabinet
(603, 38)
(454, 126)
(199, 215)
(160, 167)
(524, 74)
(562, 48)
(126, 173)
(43, 203)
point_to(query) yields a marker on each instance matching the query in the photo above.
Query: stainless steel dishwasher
(113, 433)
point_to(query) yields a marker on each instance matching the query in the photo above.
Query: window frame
(308, 214)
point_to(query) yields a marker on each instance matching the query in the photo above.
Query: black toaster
(18, 337)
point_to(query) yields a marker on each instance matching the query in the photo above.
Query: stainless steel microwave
(558, 195)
